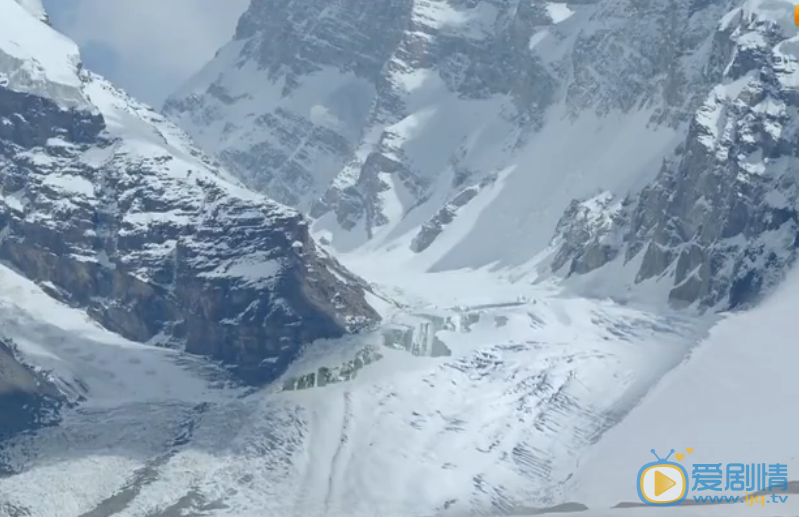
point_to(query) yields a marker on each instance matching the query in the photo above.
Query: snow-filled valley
(518, 418)
(477, 313)
(532, 380)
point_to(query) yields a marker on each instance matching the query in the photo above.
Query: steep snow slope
(730, 401)
(35, 8)
(84, 359)
(27, 398)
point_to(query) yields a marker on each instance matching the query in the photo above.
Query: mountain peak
(36, 59)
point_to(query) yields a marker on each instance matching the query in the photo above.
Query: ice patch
(71, 184)
(253, 269)
(559, 11)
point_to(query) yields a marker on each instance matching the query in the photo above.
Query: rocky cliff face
(391, 122)
(342, 77)
(720, 219)
(111, 208)
(345, 81)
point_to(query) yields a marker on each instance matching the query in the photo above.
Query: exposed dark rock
(721, 221)
(156, 245)
(28, 399)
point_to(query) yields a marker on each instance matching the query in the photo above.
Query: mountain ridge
(113, 209)
(461, 135)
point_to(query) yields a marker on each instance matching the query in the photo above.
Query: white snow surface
(509, 420)
(729, 401)
(36, 59)
(35, 8)
(558, 11)
(87, 359)
(501, 422)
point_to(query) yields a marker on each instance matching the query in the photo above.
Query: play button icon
(662, 483)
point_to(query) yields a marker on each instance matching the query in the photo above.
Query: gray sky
(148, 47)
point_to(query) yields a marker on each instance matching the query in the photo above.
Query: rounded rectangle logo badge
(662, 483)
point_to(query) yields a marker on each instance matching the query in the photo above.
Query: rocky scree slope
(390, 121)
(111, 208)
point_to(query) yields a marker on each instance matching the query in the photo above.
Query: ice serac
(467, 133)
(110, 207)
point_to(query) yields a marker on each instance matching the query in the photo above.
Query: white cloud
(157, 43)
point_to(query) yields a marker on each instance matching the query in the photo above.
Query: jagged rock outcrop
(438, 223)
(588, 234)
(111, 208)
(27, 398)
(719, 223)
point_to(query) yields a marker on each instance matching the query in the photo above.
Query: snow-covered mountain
(113, 209)
(649, 143)
(469, 159)
(35, 8)
(497, 422)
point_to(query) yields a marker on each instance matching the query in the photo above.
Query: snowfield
(515, 419)
(533, 378)
(731, 400)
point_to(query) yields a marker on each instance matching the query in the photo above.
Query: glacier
(506, 415)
